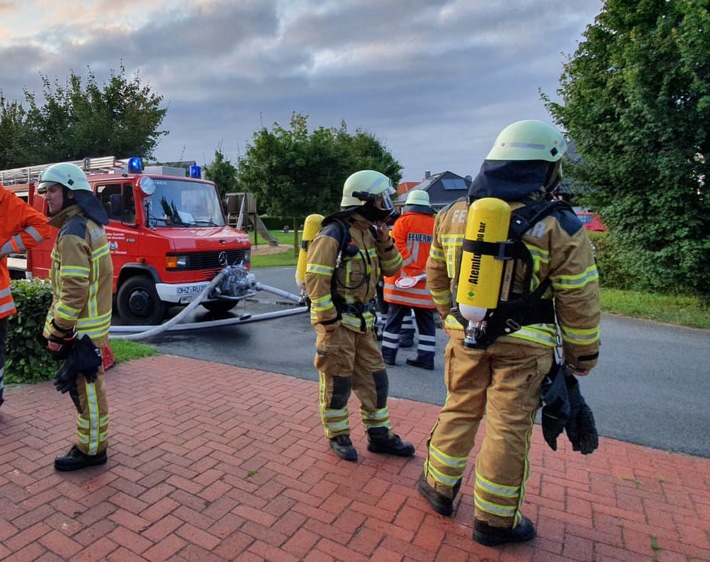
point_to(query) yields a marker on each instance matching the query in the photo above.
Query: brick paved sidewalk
(213, 462)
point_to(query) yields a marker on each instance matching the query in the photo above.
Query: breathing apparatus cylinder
(311, 226)
(480, 274)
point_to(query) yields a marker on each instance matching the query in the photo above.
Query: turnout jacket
(561, 251)
(21, 228)
(413, 234)
(343, 293)
(82, 278)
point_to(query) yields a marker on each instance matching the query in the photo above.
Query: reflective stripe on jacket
(561, 251)
(412, 234)
(354, 282)
(21, 228)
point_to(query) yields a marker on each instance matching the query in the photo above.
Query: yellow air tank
(310, 228)
(480, 274)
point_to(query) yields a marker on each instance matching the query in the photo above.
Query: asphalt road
(651, 386)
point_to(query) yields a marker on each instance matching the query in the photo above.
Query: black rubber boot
(76, 460)
(440, 503)
(389, 355)
(343, 447)
(422, 363)
(379, 441)
(486, 535)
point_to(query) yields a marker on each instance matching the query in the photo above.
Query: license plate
(192, 290)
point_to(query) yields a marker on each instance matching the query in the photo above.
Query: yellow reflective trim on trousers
(440, 477)
(335, 414)
(497, 489)
(493, 508)
(453, 462)
(92, 402)
(318, 269)
(378, 415)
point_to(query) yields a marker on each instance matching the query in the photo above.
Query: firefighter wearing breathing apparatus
(344, 262)
(79, 318)
(497, 366)
(412, 235)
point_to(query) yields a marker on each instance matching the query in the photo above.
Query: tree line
(635, 102)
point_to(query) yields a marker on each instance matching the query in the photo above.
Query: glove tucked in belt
(84, 359)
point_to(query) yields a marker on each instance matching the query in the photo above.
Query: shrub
(614, 272)
(27, 360)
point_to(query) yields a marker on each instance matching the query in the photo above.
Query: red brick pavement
(213, 462)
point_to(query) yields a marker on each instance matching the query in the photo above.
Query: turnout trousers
(503, 382)
(349, 361)
(92, 418)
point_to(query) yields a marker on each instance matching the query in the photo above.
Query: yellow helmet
(528, 140)
(69, 175)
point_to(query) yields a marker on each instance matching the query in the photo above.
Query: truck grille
(210, 260)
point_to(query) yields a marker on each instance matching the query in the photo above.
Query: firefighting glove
(556, 406)
(60, 342)
(65, 377)
(581, 429)
(87, 358)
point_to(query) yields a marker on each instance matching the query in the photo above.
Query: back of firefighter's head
(532, 140)
(527, 154)
(369, 193)
(418, 202)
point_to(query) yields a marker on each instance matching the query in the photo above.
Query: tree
(294, 172)
(223, 173)
(121, 118)
(636, 101)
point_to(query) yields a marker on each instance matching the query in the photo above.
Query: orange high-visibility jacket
(21, 228)
(412, 234)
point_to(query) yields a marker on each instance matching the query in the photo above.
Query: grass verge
(126, 350)
(678, 310)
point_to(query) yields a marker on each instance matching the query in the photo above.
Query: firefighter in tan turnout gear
(345, 261)
(78, 321)
(501, 375)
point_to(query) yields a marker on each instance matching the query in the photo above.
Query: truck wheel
(138, 303)
(219, 306)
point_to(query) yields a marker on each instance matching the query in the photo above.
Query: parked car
(591, 221)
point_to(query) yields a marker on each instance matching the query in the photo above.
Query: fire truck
(167, 233)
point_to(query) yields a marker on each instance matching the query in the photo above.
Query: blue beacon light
(195, 172)
(135, 165)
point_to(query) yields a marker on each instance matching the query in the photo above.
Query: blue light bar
(135, 165)
(195, 172)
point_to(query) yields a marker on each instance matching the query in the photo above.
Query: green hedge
(26, 359)
(614, 272)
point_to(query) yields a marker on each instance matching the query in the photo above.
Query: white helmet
(528, 140)
(363, 186)
(418, 197)
(69, 175)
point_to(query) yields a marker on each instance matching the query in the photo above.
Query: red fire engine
(168, 237)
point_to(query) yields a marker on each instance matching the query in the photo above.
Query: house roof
(443, 188)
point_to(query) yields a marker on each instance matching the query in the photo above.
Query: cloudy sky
(434, 80)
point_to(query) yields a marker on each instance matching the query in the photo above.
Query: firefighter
(504, 378)
(21, 228)
(412, 235)
(345, 261)
(81, 273)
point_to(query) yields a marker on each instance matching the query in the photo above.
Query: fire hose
(174, 324)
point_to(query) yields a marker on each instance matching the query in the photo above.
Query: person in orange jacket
(21, 228)
(412, 234)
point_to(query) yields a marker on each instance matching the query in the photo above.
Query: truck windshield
(183, 203)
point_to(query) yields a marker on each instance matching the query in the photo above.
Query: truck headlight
(176, 262)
